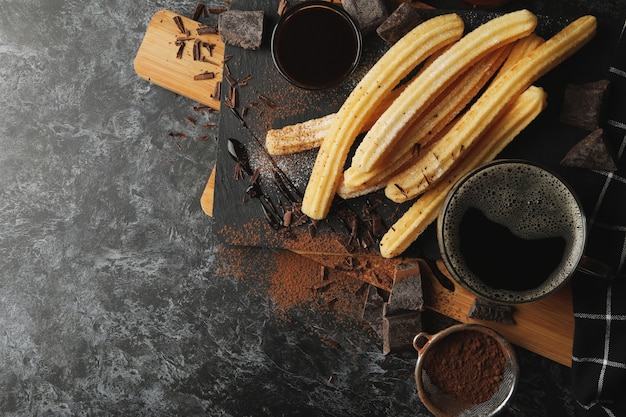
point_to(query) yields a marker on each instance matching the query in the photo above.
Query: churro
(298, 137)
(382, 139)
(310, 134)
(447, 106)
(431, 165)
(426, 209)
(363, 101)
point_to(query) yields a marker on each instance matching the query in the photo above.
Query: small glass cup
(316, 45)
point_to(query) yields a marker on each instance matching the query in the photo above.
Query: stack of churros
(471, 97)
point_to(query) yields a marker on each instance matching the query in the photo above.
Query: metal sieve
(442, 404)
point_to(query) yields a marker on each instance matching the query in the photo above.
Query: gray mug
(512, 231)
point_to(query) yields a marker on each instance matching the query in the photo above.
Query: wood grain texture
(156, 59)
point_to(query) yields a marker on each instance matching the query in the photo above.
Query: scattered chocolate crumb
(196, 50)
(207, 75)
(333, 344)
(232, 97)
(267, 101)
(206, 30)
(198, 11)
(245, 80)
(217, 91)
(215, 10)
(179, 23)
(181, 49)
(209, 47)
(191, 120)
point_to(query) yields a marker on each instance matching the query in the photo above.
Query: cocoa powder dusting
(292, 281)
(467, 365)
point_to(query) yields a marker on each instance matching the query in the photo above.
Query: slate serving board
(268, 101)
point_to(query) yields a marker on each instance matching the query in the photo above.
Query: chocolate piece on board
(241, 28)
(399, 330)
(406, 292)
(583, 104)
(367, 13)
(592, 152)
(373, 310)
(488, 311)
(399, 23)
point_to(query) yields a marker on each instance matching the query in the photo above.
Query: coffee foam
(528, 200)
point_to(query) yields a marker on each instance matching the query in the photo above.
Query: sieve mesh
(447, 405)
(442, 404)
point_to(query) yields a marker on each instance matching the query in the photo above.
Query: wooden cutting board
(157, 61)
(545, 327)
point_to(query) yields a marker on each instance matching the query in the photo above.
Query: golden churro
(363, 101)
(520, 49)
(310, 134)
(426, 209)
(298, 137)
(381, 140)
(447, 106)
(404, 177)
(431, 165)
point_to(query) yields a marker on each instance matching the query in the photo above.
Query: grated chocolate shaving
(196, 50)
(198, 11)
(204, 76)
(215, 10)
(267, 101)
(206, 30)
(179, 22)
(181, 49)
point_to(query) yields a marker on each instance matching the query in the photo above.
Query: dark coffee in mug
(511, 231)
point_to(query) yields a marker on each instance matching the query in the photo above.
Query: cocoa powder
(467, 365)
(292, 281)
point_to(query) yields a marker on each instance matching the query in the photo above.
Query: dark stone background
(110, 303)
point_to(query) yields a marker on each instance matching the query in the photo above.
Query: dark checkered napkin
(599, 354)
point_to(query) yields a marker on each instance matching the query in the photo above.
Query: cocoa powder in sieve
(467, 365)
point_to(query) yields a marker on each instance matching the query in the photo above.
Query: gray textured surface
(109, 301)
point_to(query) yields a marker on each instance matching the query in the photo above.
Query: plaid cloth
(599, 353)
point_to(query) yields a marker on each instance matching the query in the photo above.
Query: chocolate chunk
(241, 28)
(399, 23)
(367, 13)
(406, 292)
(583, 104)
(373, 309)
(399, 330)
(592, 152)
(488, 311)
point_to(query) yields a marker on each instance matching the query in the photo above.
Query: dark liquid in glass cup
(316, 45)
